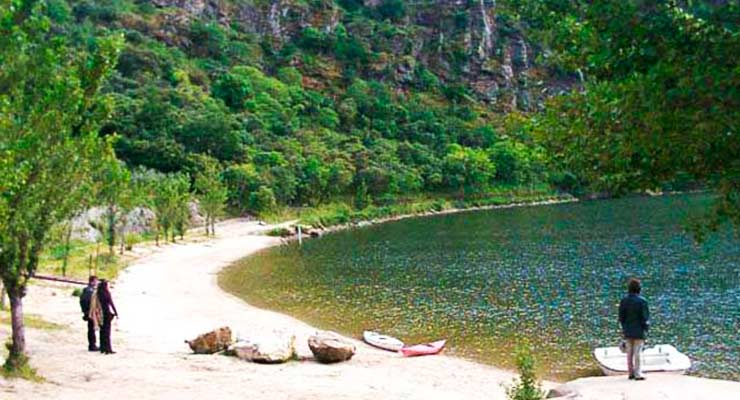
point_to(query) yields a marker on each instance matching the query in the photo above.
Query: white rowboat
(384, 342)
(659, 358)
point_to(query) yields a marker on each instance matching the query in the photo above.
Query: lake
(550, 277)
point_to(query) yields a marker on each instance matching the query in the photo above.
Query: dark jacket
(85, 299)
(633, 316)
(106, 304)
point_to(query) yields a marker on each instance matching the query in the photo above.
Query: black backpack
(85, 299)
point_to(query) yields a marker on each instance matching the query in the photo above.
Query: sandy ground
(171, 295)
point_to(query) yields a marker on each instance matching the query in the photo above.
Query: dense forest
(303, 102)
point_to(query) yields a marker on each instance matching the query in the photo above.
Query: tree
(262, 201)
(468, 169)
(171, 195)
(115, 193)
(660, 102)
(212, 195)
(50, 112)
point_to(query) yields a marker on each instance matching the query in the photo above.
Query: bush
(280, 232)
(391, 9)
(77, 292)
(262, 201)
(526, 386)
(132, 239)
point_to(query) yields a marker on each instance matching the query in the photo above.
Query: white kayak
(659, 358)
(384, 342)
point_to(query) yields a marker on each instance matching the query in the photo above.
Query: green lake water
(551, 276)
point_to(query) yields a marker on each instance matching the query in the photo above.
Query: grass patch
(83, 258)
(19, 368)
(31, 321)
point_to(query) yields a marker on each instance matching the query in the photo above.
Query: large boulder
(211, 342)
(90, 224)
(330, 347)
(274, 349)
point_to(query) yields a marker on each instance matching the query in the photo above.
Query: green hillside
(303, 102)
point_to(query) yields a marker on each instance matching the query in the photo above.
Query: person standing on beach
(108, 312)
(85, 300)
(633, 317)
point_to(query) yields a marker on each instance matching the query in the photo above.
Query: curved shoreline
(565, 199)
(334, 321)
(172, 294)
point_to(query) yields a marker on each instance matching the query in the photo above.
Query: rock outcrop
(330, 347)
(475, 40)
(211, 342)
(274, 349)
(89, 225)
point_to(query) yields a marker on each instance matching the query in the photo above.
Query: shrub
(280, 232)
(77, 292)
(526, 387)
(262, 201)
(391, 9)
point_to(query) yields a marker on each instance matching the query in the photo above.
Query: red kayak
(423, 349)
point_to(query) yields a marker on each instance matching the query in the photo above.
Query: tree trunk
(111, 230)
(67, 239)
(122, 237)
(2, 296)
(17, 355)
(213, 226)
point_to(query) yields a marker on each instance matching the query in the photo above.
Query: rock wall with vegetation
(302, 102)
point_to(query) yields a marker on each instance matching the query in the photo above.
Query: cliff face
(469, 42)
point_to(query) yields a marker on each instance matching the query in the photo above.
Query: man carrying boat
(633, 317)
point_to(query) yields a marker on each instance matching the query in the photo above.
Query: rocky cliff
(475, 43)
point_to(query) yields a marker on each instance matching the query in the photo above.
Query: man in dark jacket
(633, 317)
(85, 298)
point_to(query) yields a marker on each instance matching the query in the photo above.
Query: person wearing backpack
(85, 302)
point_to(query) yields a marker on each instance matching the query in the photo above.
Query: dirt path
(171, 295)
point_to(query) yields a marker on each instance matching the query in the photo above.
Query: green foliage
(116, 195)
(262, 201)
(659, 101)
(51, 108)
(468, 168)
(19, 368)
(212, 195)
(169, 196)
(391, 9)
(526, 387)
(372, 95)
(279, 232)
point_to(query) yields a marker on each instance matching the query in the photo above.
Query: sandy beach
(171, 294)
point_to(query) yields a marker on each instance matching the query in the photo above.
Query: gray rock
(89, 225)
(196, 218)
(330, 347)
(274, 349)
(562, 392)
(211, 342)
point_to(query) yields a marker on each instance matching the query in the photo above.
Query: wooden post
(300, 236)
